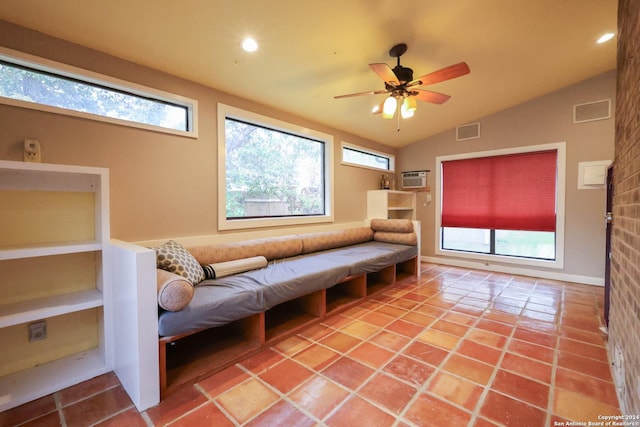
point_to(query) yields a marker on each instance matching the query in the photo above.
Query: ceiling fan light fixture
(409, 106)
(389, 108)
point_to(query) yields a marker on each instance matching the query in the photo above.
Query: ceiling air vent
(590, 111)
(468, 131)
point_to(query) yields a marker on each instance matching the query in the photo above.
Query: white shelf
(42, 308)
(32, 382)
(49, 177)
(49, 249)
(391, 204)
(24, 386)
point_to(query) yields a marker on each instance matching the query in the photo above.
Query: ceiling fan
(401, 85)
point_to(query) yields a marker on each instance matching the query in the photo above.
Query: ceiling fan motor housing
(403, 74)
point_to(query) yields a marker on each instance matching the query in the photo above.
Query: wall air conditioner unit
(414, 179)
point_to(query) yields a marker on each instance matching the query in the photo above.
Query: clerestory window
(48, 86)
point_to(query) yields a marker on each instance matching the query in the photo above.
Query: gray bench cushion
(220, 301)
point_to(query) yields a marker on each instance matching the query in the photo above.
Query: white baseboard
(553, 275)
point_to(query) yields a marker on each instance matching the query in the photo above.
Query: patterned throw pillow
(173, 257)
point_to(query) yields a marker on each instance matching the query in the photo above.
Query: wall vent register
(468, 131)
(590, 111)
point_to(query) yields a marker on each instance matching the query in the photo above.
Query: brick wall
(624, 320)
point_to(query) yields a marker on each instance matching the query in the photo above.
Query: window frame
(560, 208)
(390, 157)
(493, 244)
(225, 111)
(91, 78)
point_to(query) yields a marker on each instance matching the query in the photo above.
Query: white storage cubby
(391, 204)
(54, 225)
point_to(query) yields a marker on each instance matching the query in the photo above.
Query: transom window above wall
(503, 205)
(271, 173)
(354, 155)
(35, 83)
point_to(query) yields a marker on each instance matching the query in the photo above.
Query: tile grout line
(146, 419)
(554, 364)
(377, 370)
(112, 415)
(421, 389)
(60, 408)
(212, 400)
(255, 377)
(424, 388)
(487, 387)
(554, 370)
(319, 373)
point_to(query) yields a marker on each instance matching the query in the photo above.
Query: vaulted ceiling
(310, 51)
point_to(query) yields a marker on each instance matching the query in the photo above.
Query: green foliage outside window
(30, 85)
(270, 173)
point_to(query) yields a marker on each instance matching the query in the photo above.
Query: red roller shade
(510, 192)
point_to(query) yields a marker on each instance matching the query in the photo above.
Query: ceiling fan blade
(371, 92)
(385, 73)
(429, 96)
(447, 73)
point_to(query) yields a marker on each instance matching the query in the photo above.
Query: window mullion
(492, 242)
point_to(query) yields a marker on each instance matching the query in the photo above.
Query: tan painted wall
(161, 185)
(165, 186)
(543, 120)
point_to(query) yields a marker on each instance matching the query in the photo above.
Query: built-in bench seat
(217, 302)
(306, 278)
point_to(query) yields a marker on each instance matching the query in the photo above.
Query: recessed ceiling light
(605, 38)
(249, 44)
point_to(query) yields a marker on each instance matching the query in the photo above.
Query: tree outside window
(270, 173)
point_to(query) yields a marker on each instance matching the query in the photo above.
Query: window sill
(240, 224)
(502, 259)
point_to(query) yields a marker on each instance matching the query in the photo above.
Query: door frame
(609, 229)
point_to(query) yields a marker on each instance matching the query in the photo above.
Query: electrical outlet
(32, 151)
(38, 330)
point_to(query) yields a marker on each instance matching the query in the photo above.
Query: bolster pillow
(227, 268)
(392, 225)
(401, 238)
(174, 292)
(314, 242)
(270, 248)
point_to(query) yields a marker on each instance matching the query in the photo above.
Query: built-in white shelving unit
(391, 204)
(49, 277)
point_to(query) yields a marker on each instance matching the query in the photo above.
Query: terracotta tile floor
(458, 347)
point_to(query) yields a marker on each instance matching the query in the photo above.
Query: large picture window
(506, 204)
(274, 172)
